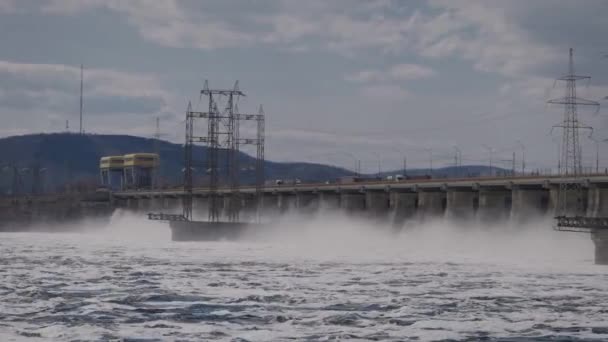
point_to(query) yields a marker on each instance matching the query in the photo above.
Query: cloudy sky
(339, 80)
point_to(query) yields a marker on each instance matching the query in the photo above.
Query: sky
(340, 80)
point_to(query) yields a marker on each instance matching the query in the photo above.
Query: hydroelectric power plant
(225, 207)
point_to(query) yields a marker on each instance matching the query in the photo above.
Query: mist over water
(305, 277)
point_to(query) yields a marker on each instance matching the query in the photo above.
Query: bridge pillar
(329, 200)
(270, 204)
(307, 202)
(352, 201)
(577, 204)
(157, 204)
(144, 204)
(494, 205)
(200, 207)
(377, 203)
(132, 204)
(529, 203)
(287, 201)
(248, 207)
(597, 202)
(431, 204)
(598, 207)
(462, 203)
(172, 203)
(404, 206)
(231, 202)
(600, 240)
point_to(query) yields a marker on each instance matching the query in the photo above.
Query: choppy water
(320, 280)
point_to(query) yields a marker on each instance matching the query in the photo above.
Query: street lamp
(356, 160)
(430, 151)
(379, 163)
(457, 156)
(490, 152)
(403, 155)
(597, 155)
(523, 156)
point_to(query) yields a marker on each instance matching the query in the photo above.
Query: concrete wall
(404, 206)
(329, 200)
(377, 203)
(352, 201)
(461, 204)
(528, 204)
(597, 206)
(494, 205)
(431, 204)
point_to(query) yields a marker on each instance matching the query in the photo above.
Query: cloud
(395, 73)
(496, 36)
(49, 93)
(385, 92)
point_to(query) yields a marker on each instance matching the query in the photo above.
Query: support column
(494, 205)
(157, 204)
(172, 203)
(377, 203)
(270, 204)
(307, 202)
(132, 204)
(577, 204)
(248, 207)
(462, 204)
(431, 204)
(144, 204)
(200, 208)
(598, 207)
(287, 202)
(600, 240)
(329, 201)
(404, 206)
(352, 201)
(528, 204)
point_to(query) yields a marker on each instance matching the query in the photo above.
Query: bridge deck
(404, 185)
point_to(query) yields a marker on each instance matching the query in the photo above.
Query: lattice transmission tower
(223, 141)
(571, 199)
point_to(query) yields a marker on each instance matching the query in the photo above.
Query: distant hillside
(74, 157)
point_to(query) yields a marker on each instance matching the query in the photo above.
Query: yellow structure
(131, 171)
(111, 171)
(144, 160)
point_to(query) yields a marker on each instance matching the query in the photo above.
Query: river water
(313, 279)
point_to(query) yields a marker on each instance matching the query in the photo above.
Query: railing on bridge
(581, 224)
(166, 217)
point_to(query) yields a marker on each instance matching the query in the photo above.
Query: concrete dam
(486, 200)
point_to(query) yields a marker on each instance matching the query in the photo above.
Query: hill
(74, 157)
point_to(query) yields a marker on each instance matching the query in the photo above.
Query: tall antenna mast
(81, 91)
(157, 135)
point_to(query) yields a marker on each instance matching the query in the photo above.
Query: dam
(487, 200)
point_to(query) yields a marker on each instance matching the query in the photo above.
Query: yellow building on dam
(131, 171)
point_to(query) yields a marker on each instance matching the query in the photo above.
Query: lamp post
(430, 151)
(379, 163)
(597, 155)
(490, 152)
(403, 155)
(523, 156)
(356, 160)
(457, 156)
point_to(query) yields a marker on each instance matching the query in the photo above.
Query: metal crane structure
(570, 215)
(223, 140)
